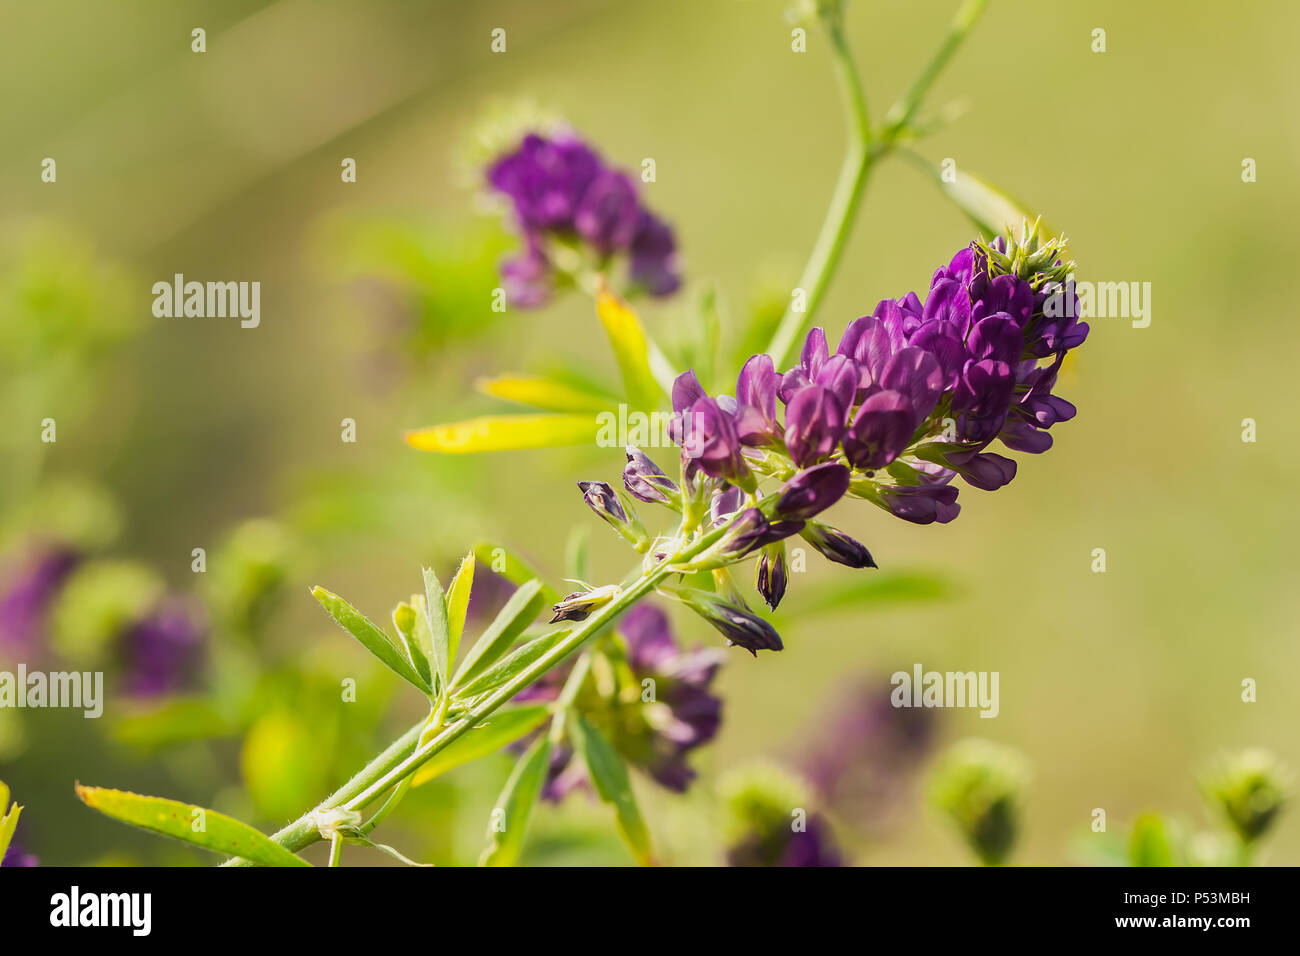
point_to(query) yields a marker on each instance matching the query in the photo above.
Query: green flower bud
(980, 786)
(1250, 789)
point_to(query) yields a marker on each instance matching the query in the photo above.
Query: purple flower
(812, 845)
(671, 711)
(28, 593)
(814, 422)
(756, 390)
(164, 652)
(16, 856)
(881, 430)
(559, 187)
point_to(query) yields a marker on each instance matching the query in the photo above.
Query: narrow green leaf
(435, 608)
(458, 604)
(631, 349)
(510, 665)
(509, 822)
(413, 633)
(609, 777)
(577, 553)
(991, 209)
(548, 394)
(371, 637)
(501, 560)
(523, 606)
(194, 825)
(505, 433)
(502, 728)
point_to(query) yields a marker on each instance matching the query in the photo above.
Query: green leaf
(194, 825)
(501, 560)
(435, 609)
(1151, 843)
(610, 779)
(991, 209)
(413, 632)
(631, 349)
(458, 604)
(577, 553)
(509, 666)
(502, 728)
(8, 822)
(523, 606)
(509, 822)
(548, 394)
(505, 433)
(174, 721)
(371, 637)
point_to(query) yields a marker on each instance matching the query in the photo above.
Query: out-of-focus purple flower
(671, 712)
(16, 856)
(164, 652)
(27, 595)
(560, 188)
(864, 752)
(812, 845)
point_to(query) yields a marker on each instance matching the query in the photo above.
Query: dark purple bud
(837, 546)
(653, 257)
(737, 623)
(748, 531)
(644, 480)
(601, 499)
(771, 574)
(880, 431)
(814, 422)
(812, 491)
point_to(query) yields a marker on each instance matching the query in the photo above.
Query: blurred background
(177, 434)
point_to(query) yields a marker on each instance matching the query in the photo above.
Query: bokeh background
(174, 434)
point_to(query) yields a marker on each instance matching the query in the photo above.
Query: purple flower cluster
(911, 396)
(561, 189)
(27, 596)
(164, 652)
(655, 735)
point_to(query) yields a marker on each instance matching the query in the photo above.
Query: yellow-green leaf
(194, 825)
(503, 727)
(631, 349)
(458, 604)
(509, 822)
(511, 621)
(547, 394)
(991, 209)
(505, 433)
(9, 820)
(609, 777)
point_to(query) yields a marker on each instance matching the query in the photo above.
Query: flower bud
(980, 786)
(603, 500)
(836, 546)
(646, 482)
(1249, 789)
(736, 622)
(579, 605)
(771, 574)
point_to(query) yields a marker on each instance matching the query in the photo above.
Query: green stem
(901, 113)
(838, 223)
(409, 752)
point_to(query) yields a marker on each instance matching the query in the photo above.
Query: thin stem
(859, 157)
(336, 849)
(901, 113)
